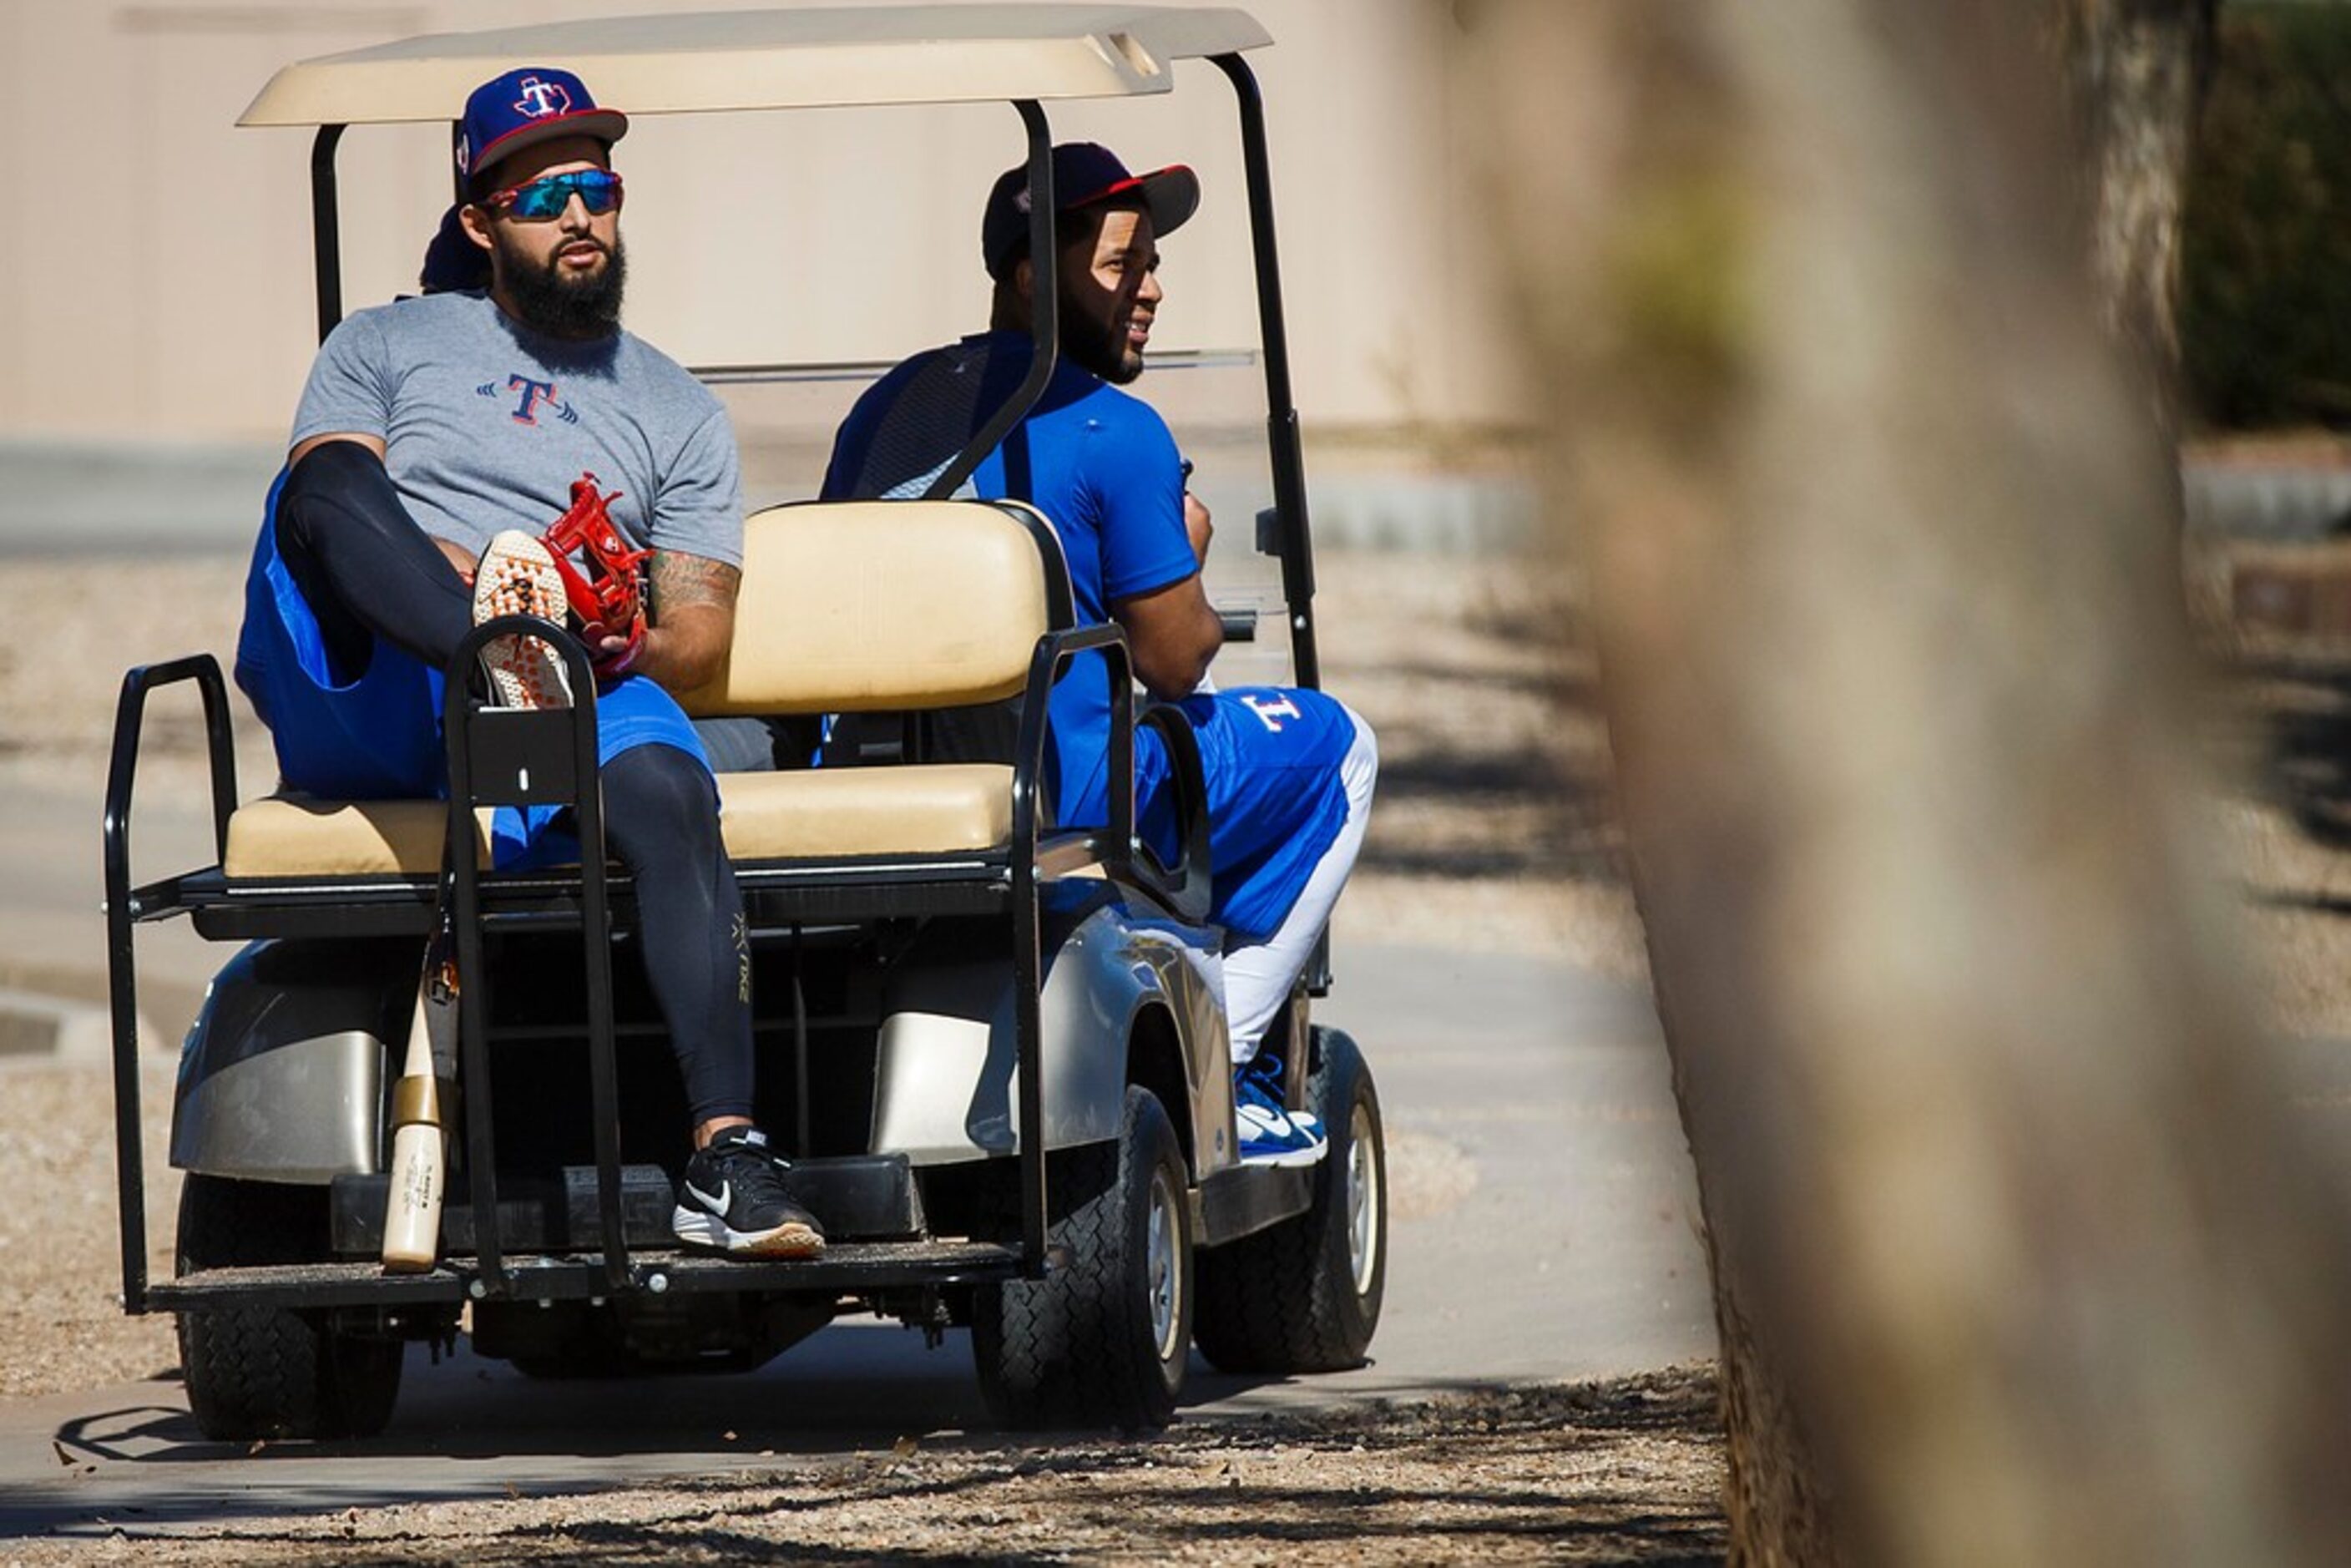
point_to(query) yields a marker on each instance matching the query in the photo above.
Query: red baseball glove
(606, 584)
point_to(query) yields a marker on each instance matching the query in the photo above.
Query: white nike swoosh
(715, 1202)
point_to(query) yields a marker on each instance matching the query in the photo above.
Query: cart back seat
(851, 606)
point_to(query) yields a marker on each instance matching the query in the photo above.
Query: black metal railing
(122, 910)
(508, 757)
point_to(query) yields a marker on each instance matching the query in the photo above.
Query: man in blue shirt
(1289, 773)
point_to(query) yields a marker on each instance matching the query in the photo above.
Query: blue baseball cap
(1085, 172)
(526, 106)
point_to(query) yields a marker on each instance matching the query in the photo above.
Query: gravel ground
(1629, 1473)
(61, 1320)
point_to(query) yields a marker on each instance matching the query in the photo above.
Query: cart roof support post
(326, 229)
(1281, 416)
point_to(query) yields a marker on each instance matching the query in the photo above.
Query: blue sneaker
(1264, 1072)
(1271, 1136)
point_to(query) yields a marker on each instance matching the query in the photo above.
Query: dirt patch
(1627, 1472)
(77, 626)
(1495, 827)
(61, 1320)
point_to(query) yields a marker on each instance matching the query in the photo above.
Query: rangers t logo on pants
(1271, 713)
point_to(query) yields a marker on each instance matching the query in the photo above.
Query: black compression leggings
(660, 820)
(369, 572)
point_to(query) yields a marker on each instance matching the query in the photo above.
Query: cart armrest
(1054, 651)
(129, 720)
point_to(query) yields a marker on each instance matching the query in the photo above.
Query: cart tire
(1304, 1295)
(1102, 1340)
(264, 1372)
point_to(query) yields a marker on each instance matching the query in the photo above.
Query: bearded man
(436, 438)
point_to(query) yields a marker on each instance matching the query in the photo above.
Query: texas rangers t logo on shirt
(531, 396)
(541, 99)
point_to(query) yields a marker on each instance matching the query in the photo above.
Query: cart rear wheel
(1104, 1339)
(262, 1372)
(1304, 1295)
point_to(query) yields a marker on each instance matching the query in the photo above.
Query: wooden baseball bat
(412, 1219)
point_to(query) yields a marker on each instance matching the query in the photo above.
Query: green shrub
(2265, 240)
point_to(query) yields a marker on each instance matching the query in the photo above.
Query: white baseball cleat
(518, 576)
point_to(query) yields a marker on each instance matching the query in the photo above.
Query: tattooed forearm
(679, 580)
(691, 620)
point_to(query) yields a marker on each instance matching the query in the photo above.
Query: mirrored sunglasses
(599, 191)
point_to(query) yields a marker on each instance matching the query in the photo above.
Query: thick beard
(1098, 346)
(562, 304)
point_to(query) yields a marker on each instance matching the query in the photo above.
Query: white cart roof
(773, 59)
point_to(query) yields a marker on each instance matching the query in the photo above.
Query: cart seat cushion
(851, 811)
(296, 836)
(924, 808)
(863, 606)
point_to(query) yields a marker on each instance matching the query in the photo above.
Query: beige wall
(154, 265)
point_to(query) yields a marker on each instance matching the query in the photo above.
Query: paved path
(1572, 1255)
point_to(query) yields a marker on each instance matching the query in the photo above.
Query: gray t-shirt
(485, 425)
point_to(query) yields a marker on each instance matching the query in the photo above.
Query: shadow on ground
(1622, 1472)
(1503, 814)
(2306, 756)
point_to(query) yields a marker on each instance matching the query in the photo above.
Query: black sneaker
(733, 1200)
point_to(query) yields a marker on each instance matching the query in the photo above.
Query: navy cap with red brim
(1085, 174)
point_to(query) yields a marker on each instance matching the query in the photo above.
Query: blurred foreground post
(2016, 1259)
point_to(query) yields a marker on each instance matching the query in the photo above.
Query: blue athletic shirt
(1099, 464)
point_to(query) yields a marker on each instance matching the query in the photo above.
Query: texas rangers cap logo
(541, 99)
(526, 106)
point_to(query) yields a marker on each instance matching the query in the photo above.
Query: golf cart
(993, 1048)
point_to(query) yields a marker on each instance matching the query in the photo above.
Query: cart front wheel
(1101, 1340)
(1304, 1295)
